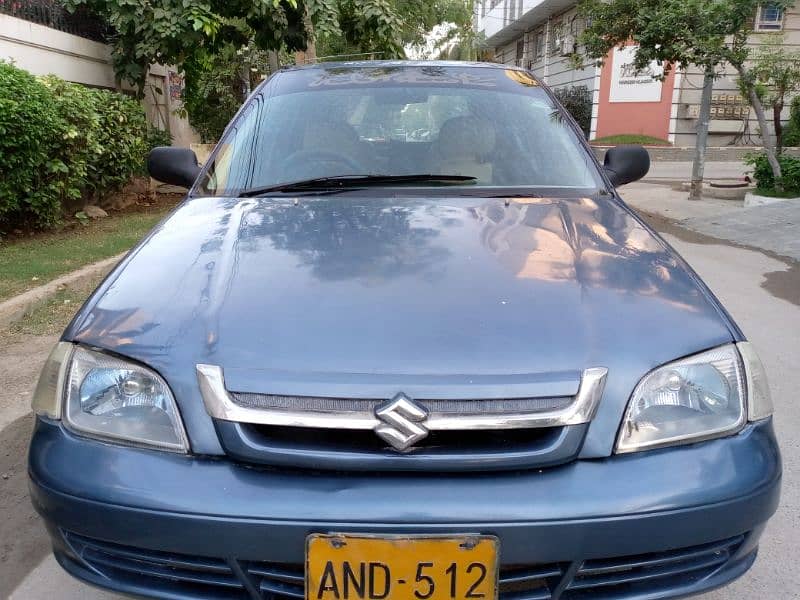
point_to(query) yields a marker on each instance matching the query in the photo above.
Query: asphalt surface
(747, 227)
(682, 170)
(759, 287)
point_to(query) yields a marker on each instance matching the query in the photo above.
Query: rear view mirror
(173, 165)
(626, 164)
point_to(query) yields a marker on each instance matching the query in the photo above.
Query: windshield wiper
(342, 182)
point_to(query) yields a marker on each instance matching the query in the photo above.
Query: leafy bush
(578, 102)
(34, 178)
(61, 141)
(762, 173)
(122, 134)
(158, 137)
(214, 91)
(791, 131)
(79, 145)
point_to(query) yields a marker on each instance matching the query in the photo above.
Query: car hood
(289, 294)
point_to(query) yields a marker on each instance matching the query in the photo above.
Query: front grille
(276, 581)
(437, 442)
(452, 423)
(440, 451)
(434, 406)
(228, 578)
(361, 449)
(605, 578)
(618, 577)
(199, 577)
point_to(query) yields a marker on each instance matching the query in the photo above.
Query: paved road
(680, 170)
(748, 226)
(762, 292)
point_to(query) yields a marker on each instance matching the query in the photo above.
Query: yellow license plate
(360, 567)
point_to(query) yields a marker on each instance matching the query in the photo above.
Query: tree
(382, 27)
(171, 31)
(777, 73)
(707, 33)
(174, 31)
(355, 26)
(223, 44)
(217, 83)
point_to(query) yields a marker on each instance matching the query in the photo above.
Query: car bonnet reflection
(353, 284)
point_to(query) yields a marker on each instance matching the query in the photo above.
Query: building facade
(542, 35)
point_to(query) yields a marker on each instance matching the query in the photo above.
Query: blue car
(403, 341)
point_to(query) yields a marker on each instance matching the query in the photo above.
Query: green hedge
(791, 131)
(61, 141)
(34, 178)
(762, 172)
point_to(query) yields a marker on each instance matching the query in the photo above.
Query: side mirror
(173, 165)
(626, 164)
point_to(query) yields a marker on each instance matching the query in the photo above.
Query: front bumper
(655, 514)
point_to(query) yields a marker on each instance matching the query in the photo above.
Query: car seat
(463, 148)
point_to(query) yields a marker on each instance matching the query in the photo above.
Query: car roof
(458, 64)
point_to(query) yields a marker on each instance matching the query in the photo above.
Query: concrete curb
(753, 199)
(16, 308)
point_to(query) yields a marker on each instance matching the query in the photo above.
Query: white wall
(553, 68)
(42, 51)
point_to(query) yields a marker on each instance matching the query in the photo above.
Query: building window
(769, 17)
(556, 38)
(511, 11)
(539, 45)
(520, 52)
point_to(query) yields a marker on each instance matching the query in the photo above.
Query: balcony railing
(51, 13)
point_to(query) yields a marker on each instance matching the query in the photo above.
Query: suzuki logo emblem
(401, 422)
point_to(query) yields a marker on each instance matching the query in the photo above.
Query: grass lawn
(53, 316)
(630, 138)
(28, 261)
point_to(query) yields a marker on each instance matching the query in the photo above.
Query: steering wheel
(307, 156)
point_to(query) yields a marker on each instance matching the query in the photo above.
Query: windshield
(495, 125)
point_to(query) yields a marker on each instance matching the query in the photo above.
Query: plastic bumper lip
(618, 506)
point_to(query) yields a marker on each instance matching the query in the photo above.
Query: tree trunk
(777, 109)
(311, 50)
(244, 78)
(699, 165)
(766, 135)
(272, 57)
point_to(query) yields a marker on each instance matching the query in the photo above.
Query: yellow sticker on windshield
(521, 77)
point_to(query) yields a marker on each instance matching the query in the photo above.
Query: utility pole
(699, 165)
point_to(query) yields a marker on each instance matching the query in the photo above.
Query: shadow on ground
(23, 541)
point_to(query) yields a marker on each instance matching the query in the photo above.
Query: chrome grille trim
(221, 404)
(443, 407)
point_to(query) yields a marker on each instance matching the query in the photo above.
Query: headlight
(759, 401)
(110, 399)
(49, 393)
(693, 399)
